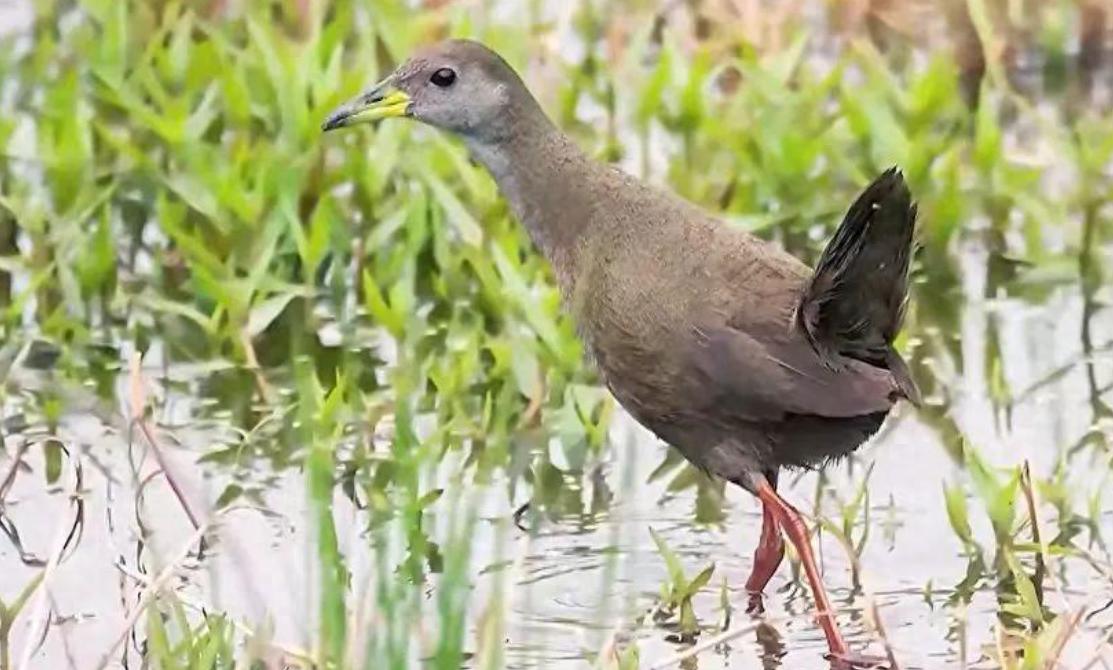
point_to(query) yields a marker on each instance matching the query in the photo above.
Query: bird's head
(456, 85)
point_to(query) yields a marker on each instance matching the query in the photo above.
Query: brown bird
(722, 344)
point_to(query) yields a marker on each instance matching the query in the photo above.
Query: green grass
(371, 312)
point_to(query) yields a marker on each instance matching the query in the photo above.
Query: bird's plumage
(853, 306)
(723, 344)
(694, 326)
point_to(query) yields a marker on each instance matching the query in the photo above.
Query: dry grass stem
(42, 610)
(159, 582)
(867, 595)
(1063, 637)
(290, 652)
(138, 418)
(13, 470)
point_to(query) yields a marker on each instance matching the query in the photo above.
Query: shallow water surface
(584, 579)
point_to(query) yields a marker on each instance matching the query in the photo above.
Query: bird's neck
(547, 180)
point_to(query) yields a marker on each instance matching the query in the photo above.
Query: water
(587, 577)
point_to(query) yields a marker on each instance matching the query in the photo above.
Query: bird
(724, 345)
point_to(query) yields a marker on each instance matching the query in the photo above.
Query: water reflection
(590, 564)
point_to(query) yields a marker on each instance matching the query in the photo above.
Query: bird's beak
(382, 101)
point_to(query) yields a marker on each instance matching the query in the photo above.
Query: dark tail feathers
(854, 304)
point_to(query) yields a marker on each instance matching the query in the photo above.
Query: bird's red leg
(767, 557)
(793, 525)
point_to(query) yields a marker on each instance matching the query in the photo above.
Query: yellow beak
(382, 101)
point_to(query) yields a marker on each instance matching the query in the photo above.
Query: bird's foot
(848, 660)
(756, 603)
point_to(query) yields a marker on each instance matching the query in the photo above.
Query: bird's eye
(443, 77)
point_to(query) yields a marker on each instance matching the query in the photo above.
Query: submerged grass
(364, 308)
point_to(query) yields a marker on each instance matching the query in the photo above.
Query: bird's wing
(766, 376)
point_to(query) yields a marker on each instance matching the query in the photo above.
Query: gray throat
(548, 182)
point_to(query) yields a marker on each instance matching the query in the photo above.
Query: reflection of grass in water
(32, 597)
(375, 311)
